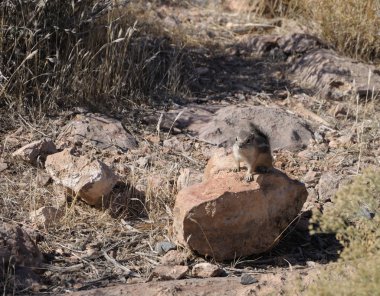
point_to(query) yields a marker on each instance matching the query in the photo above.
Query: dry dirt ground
(225, 73)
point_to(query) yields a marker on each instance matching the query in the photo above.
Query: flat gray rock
(284, 130)
(97, 131)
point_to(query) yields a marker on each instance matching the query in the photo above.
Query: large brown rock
(92, 180)
(219, 161)
(226, 218)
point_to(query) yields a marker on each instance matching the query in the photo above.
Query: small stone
(42, 179)
(143, 161)
(202, 70)
(247, 279)
(3, 166)
(328, 185)
(175, 272)
(206, 270)
(311, 177)
(311, 264)
(174, 257)
(318, 137)
(98, 131)
(163, 247)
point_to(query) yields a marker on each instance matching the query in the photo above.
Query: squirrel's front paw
(236, 170)
(249, 177)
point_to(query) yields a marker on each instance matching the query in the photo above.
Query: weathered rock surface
(296, 43)
(218, 125)
(334, 76)
(206, 270)
(247, 279)
(284, 129)
(97, 131)
(210, 286)
(46, 216)
(174, 257)
(42, 178)
(313, 66)
(188, 177)
(17, 249)
(225, 217)
(173, 272)
(219, 161)
(328, 185)
(35, 152)
(163, 247)
(90, 179)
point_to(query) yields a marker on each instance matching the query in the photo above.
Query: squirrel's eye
(236, 139)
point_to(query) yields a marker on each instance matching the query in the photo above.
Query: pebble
(247, 279)
(163, 247)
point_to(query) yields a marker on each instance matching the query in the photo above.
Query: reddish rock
(219, 161)
(174, 272)
(92, 180)
(206, 270)
(36, 151)
(227, 218)
(174, 257)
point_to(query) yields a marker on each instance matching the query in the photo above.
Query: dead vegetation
(57, 55)
(351, 27)
(90, 53)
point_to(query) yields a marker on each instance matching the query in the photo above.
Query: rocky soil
(92, 197)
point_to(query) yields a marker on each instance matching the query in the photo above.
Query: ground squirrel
(254, 149)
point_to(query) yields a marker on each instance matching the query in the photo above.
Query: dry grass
(352, 27)
(93, 53)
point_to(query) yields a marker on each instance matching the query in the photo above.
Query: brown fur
(254, 149)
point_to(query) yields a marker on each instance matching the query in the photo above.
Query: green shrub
(355, 218)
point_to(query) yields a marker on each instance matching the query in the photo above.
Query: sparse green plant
(355, 218)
